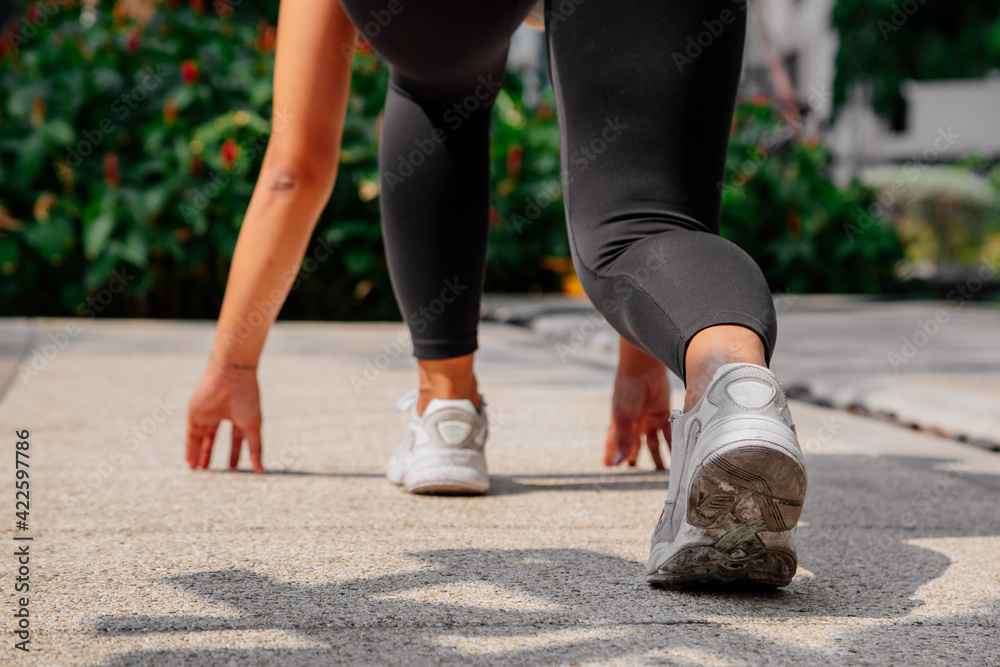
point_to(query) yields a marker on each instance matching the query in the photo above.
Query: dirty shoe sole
(460, 472)
(742, 508)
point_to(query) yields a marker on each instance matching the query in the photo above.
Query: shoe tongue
(442, 403)
(727, 367)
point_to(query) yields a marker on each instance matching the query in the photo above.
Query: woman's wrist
(234, 349)
(633, 361)
(230, 365)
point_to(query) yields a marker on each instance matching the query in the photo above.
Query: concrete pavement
(138, 561)
(932, 365)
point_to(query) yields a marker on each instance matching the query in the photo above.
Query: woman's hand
(229, 393)
(312, 85)
(640, 407)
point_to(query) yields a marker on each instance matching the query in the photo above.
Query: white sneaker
(443, 452)
(737, 484)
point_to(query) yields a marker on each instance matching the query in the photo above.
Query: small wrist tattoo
(244, 367)
(239, 367)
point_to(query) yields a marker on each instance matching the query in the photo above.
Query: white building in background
(945, 120)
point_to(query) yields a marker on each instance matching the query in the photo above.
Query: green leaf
(134, 249)
(31, 159)
(49, 240)
(59, 132)
(96, 234)
(10, 252)
(183, 97)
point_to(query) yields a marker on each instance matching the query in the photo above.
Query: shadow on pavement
(576, 605)
(502, 485)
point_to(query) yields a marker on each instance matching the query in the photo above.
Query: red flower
(198, 6)
(266, 37)
(37, 111)
(760, 100)
(270, 39)
(364, 48)
(33, 14)
(495, 219)
(794, 223)
(223, 8)
(169, 112)
(112, 175)
(133, 41)
(515, 155)
(189, 72)
(120, 12)
(197, 166)
(230, 152)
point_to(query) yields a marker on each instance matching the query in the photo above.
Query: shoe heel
(744, 503)
(755, 486)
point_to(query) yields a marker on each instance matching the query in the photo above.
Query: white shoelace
(406, 402)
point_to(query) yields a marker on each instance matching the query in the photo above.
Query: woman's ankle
(448, 379)
(714, 347)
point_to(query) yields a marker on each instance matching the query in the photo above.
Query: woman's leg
(645, 120)
(448, 59)
(646, 110)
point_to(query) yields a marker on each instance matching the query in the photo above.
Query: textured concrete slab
(925, 364)
(15, 340)
(138, 561)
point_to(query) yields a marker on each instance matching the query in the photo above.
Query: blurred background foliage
(885, 42)
(944, 214)
(808, 235)
(128, 154)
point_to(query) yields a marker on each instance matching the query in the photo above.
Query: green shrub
(945, 214)
(806, 234)
(135, 149)
(128, 154)
(529, 249)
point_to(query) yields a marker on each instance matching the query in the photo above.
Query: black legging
(645, 91)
